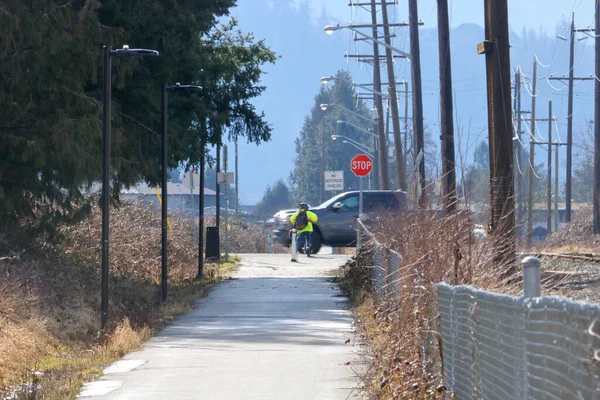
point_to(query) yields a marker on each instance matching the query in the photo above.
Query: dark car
(337, 217)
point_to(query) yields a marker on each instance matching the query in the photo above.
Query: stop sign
(361, 165)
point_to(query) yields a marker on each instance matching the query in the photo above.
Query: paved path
(276, 331)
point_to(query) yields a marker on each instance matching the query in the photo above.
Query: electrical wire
(540, 63)
(555, 88)
(530, 91)
(519, 166)
(557, 130)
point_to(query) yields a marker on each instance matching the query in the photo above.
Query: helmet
(303, 206)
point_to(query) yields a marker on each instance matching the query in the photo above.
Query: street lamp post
(108, 53)
(340, 122)
(164, 260)
(324, 107)
(201, 210)
(354, 143)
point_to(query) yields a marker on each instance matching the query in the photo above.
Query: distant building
(180, 197)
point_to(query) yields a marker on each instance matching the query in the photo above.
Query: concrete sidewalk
(276, 331)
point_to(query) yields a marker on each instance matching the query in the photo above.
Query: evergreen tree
(50, 135)
(316, 151)
(275, 198)
(583, 174)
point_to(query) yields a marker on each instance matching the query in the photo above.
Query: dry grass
(346, 250)
(50, 342)
(402, 332)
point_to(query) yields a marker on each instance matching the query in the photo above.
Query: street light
(340, 122)
(108, 53)
(352, 141)
(164, 266)
(329, 29)
(324, 107)
(363, 149)
(368, 151)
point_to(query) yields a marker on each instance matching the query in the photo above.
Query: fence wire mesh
(504, 347)
(385, 272)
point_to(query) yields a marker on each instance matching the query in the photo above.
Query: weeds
(403, 332)
(50, 343)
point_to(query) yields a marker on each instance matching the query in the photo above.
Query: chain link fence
(505, 347)
(385, 272)
(498, 346)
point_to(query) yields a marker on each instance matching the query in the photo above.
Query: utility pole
(218, 190)
(556, 188)
(415, 67)
(201, 208)
(446, 110)
(571, 79)
(531, 159)
(549, 216)
(568, 189)
(549, 143)
(382, 153)
(226, 204)
(237, 183)
(518, 149)
(596, 207)
(405, 83)
(497, 56)
(393, 100)
(322, 168)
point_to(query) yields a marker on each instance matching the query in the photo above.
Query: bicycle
(305, 249)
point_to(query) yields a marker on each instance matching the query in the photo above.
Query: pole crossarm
(329, 29)
(539, 119)
(565, 78)
(551, 144)
(371, 56)
(387, 3)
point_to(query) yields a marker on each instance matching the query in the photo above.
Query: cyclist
(302, 221)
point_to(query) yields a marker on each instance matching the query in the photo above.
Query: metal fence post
(388, 268)
(294, 250)
(531, 276)
(270, 243)
(358, 234)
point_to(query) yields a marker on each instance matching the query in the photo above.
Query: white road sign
(334, 180)
(225, 178)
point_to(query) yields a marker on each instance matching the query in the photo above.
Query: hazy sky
(275, 157)
(530, 13)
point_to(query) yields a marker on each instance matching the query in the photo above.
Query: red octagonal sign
(361, 165)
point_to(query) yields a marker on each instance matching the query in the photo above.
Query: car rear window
(381, 201)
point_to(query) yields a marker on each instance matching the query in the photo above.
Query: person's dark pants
(300, 240)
